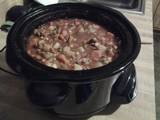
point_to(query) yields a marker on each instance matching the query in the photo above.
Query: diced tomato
(64, 33)
(62, 58)
(96, 55)
(34, 41)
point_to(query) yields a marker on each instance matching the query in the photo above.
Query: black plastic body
(126, 85)
(79, 100)
(70, 100)
(71, 93)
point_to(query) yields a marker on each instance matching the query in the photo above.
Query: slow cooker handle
(5, 67)
(15, 13)
(125, 87)
(12, 15)
(5, 28)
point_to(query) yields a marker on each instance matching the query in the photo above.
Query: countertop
(14, 105)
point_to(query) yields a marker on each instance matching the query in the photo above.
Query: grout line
(146, 43)
(156, 29)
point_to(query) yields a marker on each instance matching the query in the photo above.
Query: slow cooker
(69, 93)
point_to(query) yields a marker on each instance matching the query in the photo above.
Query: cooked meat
(73, 44)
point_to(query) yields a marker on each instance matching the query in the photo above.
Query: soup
(73, 44)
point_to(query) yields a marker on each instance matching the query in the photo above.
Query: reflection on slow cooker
(83, 92)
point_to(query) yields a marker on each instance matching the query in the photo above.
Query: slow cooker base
(123, 91)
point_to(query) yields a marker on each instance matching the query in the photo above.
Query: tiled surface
(157, 71)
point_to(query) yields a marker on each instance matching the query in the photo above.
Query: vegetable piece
(77, 67)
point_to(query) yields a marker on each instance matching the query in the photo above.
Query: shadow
(19, 106)
(15, 104)
(108, 110)
(112, 106)
(157, 71)
(26, 2)
(30, 3)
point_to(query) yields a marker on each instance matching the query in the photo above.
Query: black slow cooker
(74, 93)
